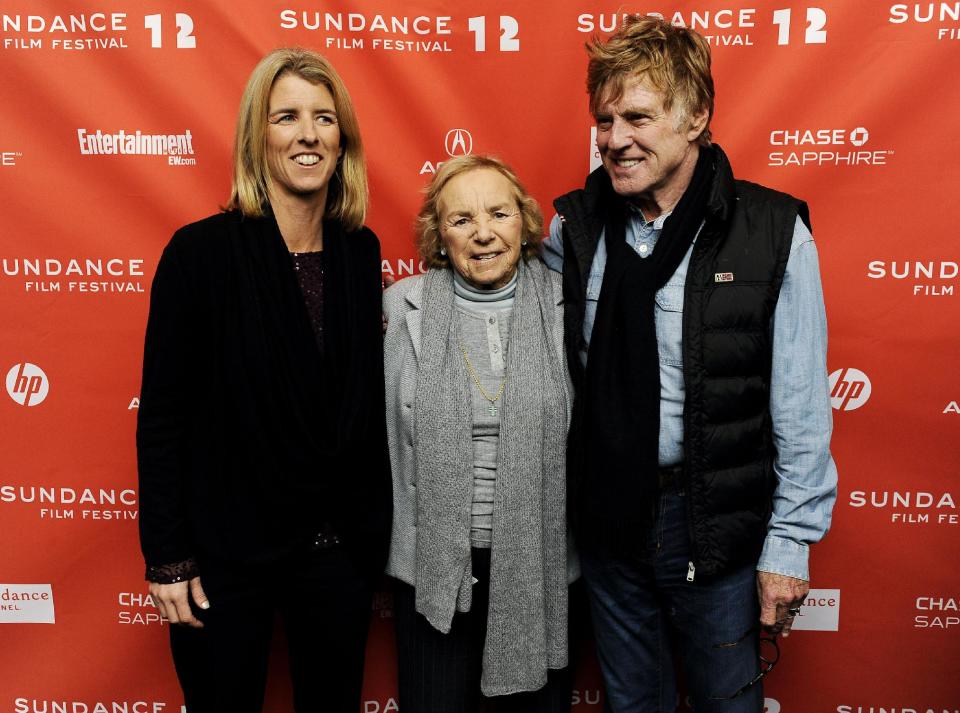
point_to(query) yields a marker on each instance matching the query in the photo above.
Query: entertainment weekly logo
(456, 142)
(839, 147)
(27, 384)
(26, 604)
(96, 31)
(177, 148)
(942, 19)
(404, 34)
(727, 27)
(924, 278)
(9, 159)
(77, 275)
(57, 503)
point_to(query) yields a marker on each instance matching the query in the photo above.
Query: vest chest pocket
(669, 319)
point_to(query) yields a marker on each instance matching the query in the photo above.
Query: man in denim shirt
(699, 449)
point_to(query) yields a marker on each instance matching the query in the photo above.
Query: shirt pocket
(669, 319)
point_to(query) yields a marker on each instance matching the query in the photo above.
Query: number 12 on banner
(816, 21)
(185, 38)
(509, 27)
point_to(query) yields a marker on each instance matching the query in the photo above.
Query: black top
(309, 267)
(248, 441)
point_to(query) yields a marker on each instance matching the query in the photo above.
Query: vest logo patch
(723, 277)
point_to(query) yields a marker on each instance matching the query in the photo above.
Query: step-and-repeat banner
(850, 105)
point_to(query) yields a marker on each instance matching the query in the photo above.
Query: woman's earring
(524, 242)
(443, 251)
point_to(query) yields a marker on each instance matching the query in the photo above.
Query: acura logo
(458, 142)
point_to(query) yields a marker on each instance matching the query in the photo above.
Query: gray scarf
(527, 616)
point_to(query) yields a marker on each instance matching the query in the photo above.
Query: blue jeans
(645, 613)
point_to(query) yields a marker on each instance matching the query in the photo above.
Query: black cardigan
(247, 440)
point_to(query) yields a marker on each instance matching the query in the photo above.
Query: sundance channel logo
(820, 611)
(26, 604)
(176, 148)
(843, 148)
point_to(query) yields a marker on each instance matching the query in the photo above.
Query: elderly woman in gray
(478, 403)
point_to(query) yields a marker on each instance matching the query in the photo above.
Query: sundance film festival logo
(96, 31)
(825, 147)
(27, 384)
(40, 705)
(26, 604)
(456, 142)
(403, 33)
(78, 275)
(888, 707)
(849, 389)
(178, 148)
(72, 503)
(926, 278)
(728, 27)
(909, 507)
(942, 17)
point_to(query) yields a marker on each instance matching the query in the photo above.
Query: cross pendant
(493, 410)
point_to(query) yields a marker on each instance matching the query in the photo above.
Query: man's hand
(173, 601)
(779, 594)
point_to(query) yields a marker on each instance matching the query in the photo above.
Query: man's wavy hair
(675, 60)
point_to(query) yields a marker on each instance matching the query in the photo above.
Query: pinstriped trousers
(440, 673)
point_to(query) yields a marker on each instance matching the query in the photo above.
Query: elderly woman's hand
(173, 601)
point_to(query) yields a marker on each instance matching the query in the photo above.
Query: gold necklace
(476, 380)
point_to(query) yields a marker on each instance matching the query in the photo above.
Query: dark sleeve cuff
(174, 572)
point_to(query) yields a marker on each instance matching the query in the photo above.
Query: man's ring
(794, 612)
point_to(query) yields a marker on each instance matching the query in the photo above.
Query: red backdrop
(848, 105)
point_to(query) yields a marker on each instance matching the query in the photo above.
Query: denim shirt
(799, 390)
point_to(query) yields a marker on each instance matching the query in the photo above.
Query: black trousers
(440, 673)
(325, 607)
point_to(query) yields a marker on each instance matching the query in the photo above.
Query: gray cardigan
(402, 309)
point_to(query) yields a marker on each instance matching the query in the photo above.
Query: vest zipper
(691, 571)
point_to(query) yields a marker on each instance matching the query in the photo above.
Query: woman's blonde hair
(347, 193)
(429, 242)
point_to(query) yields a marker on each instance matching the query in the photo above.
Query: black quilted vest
(733, 282)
